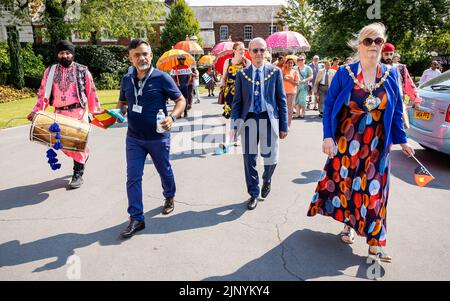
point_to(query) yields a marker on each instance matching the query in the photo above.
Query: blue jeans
(136, 151)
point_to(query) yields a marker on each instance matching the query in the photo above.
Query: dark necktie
(257, 93)
(326, 77)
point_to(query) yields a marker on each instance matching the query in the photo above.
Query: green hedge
(103, 59)
(32, 64)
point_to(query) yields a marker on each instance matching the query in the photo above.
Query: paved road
(210, 235)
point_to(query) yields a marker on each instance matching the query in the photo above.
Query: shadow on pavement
(309, 118)
(437, 163)
(304, 255)
(193, 153)
(30, 194)
(62, 246)
(194, 128)
(214, 138)
(190, 118)
(308, 177)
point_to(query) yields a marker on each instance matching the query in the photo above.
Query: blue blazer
(340, 92)
(274, 96)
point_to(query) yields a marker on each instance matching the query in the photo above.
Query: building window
(6, 7)
(9, 29)
(272, 29)
(248, 32)
(223, 32)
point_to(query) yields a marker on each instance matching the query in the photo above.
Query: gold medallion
(370, 103)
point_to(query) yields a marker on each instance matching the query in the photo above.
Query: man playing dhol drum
(71, 90)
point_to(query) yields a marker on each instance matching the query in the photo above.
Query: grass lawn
(14, 113)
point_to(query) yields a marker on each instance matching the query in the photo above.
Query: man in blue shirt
(143, 92)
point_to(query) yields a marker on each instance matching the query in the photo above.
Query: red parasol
(220, 61)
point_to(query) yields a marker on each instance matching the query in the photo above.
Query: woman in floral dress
(230, 69)
(362, 119)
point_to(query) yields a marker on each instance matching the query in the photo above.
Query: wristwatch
(174, 118)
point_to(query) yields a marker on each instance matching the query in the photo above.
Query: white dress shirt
(322, 82)
(428, 74)
(261, 76)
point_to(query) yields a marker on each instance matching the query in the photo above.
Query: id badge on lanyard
(136, 107)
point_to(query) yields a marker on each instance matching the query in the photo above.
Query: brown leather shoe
(168, 206)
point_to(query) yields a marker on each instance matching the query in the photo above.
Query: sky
(233, 2)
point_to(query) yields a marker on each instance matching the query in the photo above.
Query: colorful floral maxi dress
(354, 186)
(228, 89)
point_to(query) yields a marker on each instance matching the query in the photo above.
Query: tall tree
(16, 76)
(54, 20)
(117, 18)
(299, 16)
(180, 22)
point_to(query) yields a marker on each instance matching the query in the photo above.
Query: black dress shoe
(252, 202)
(169, 205)
(265, 190)
(133, 227)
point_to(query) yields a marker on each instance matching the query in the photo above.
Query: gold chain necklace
(257, 82)
(371, 102)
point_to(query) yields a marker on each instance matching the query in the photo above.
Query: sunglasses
(369, 41)
(256, 50)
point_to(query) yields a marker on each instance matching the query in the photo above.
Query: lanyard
(141, 87)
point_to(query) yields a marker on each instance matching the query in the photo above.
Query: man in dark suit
(259, 114)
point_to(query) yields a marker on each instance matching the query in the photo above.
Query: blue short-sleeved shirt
(157, 89)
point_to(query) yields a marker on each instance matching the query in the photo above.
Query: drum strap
(49, 84)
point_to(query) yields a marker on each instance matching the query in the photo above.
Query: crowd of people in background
(306, 85)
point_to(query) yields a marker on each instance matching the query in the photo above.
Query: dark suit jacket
(274, 96)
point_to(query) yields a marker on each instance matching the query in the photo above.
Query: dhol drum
(74, 133)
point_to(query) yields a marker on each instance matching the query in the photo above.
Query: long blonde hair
(376, 28)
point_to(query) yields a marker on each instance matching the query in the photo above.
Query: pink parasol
(284, 41)
(223, 48)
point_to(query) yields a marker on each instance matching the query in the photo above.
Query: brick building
(242, 23)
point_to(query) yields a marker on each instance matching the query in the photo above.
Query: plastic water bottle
(160, 118)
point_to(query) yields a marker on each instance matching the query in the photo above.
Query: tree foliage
(118, 18)
(415, 27)
(180, 22)
(16, 70)
(299, 16)
(54, 20)
(406, 21)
